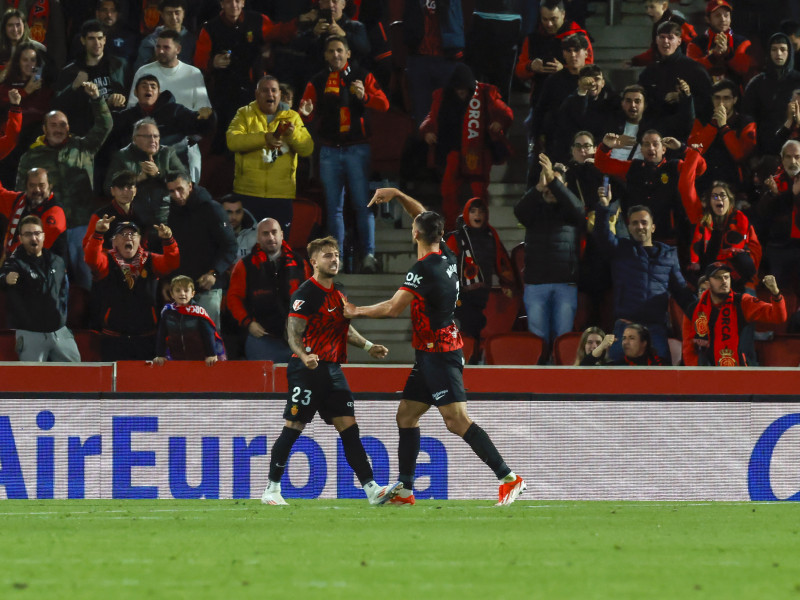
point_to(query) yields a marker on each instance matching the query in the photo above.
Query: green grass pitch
(332, 549)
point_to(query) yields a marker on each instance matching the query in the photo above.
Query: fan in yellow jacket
(267, 137)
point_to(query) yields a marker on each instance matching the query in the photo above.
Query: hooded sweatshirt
(767, 95)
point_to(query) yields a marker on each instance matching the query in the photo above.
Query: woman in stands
(13, 32)
(724, 234)
(592, 338)
(25, 74)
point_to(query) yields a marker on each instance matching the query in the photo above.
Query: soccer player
(318, 335)
(431, 287)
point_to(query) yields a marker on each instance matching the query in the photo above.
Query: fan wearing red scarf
(185, 331)
(124, 288)
(721, 314)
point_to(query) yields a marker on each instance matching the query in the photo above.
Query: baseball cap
(715, 267)
(126, 225)
(715, 4)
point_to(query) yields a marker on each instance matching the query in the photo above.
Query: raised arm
(392, 307)
(385, 195)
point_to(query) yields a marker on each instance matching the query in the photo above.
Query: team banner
(571, 450)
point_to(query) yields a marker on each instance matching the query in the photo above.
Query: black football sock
(280, 452)
(355, 454)
(407, 452)
(481, 445)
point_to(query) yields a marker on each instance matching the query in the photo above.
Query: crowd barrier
(184, 430)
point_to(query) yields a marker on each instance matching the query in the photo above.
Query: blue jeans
(551, 308)
(267, 348)
(348, 164)
(658, 337)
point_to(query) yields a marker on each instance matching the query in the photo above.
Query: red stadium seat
(781, 351)
(501, 312)
(514, 348)
(78, 308)
(8, 342)
(675, 350)
(565, 347)
(88, 342)
(306, 221)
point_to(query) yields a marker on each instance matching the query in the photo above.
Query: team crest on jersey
(297, 304)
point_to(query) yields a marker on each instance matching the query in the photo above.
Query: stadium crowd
(146, 140)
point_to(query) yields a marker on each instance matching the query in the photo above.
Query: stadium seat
(781, 351)
(676, 318)
(77, 308)
(513, 348)
(8, 342)
(501, 312)
(88, 342)
(469, 347)
(675, 351)
(306, 221)
(565, 348)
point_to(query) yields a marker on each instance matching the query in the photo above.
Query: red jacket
(97, 258)
(8, 141)
(740, 144)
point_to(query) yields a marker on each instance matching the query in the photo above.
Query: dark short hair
(633, 89)
(100, 3)
(318, 244)
(552, 4)
(230, 199)
(591, 70)
(92, 26)
(669, 27)
(790, 28)
(639, 208)
(576, 41)
(725, 84)
(583, 132)
(430, 225)
(147, 77)
(336, 38)
(652, 132)
(173, 4)
(123, 178)
(171, 34)
(175, 175)
(30, 220)
(268, 78)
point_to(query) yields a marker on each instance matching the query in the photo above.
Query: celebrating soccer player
(318, 335)
(431, 287)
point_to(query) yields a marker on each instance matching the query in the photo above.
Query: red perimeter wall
(262, 377)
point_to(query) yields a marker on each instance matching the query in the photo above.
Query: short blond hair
(181, 281)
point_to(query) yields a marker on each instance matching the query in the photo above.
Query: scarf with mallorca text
(722, 345)
(195, 310)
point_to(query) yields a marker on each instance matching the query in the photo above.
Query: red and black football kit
(437, 374)
(324, 389)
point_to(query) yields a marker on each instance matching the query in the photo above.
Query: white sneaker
(273, 497)
(385, 493)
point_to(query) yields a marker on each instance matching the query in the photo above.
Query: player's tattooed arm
(295, 327)
(384, 195)
(359, 341)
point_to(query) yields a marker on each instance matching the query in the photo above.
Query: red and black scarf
(133, 269)
(337, 86)
(13, 224)
(716, 329)
(473, 135)
(195, 310)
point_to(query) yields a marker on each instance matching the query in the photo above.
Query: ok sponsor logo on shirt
(413, 280)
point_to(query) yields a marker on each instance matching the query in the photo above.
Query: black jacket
(186, 337)
(552, 235)
(38, 301)
(203, 234)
